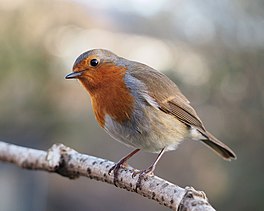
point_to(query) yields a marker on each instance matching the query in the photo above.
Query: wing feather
(168, 96)
(170, 100)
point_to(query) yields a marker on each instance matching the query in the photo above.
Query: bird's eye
(94, 62)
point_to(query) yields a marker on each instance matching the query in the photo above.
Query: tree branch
(69, 163)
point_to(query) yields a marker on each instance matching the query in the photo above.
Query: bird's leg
(148, 171)
(121, 163)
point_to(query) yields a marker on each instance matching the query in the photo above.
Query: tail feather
(219, 147)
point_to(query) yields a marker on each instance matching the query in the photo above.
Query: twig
(69, 163)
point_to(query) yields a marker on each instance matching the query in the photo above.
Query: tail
(219, 147)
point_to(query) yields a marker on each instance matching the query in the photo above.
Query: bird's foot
(115, 168)
(141, 174)
(120, 164)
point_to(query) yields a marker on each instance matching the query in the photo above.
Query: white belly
(152, 131)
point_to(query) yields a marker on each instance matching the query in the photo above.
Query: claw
(135, 173)
(149, 171)
(142, 174)
(121, 164)
(116, 168)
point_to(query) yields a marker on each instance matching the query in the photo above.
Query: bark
(69, 163)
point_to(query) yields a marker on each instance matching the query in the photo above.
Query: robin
(140, 107)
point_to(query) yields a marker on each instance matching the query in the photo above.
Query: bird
(140, 107)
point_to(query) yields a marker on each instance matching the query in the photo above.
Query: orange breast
(109, 94)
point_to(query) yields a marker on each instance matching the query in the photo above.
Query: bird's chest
(115, 101)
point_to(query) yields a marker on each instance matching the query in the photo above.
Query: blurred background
(213, 50)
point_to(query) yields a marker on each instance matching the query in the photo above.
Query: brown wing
(172, 101)
(183, 111)
(168, 96)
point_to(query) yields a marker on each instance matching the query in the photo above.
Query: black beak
(73, 75)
